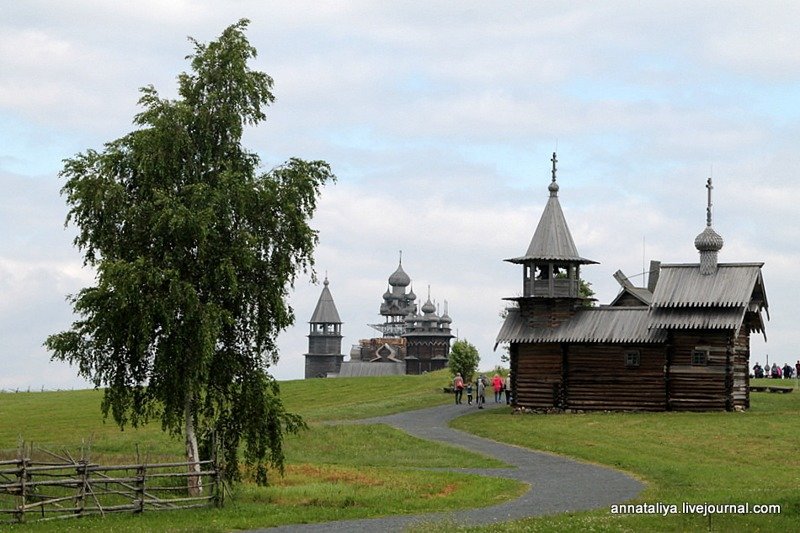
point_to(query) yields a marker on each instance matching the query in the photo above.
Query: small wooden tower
(324, 338)
(550, 297)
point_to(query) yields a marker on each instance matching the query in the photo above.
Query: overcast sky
(439, 119)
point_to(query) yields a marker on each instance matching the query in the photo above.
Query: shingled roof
(685, 298)
(732, 285)
(589, 325)
(552, 240)
(325, 312)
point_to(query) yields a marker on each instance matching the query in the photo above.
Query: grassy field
(333, 472)
(346, 471)
(718, 458)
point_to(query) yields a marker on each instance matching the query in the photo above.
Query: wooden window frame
(633, 358)
(700, 357)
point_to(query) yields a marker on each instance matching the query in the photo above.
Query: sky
(439, 120)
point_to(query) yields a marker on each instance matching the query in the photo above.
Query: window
(700, 357)
(632, 359)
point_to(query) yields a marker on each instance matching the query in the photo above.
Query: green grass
(735, 458)
(333, 472)
(346, 471)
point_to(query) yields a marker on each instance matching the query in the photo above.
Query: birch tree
(195, 249)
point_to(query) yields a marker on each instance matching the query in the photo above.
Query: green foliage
(463, 359)
(585, 290)
(195, 252)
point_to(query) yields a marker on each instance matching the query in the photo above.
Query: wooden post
(729, 371)
(667, 368)
(80, 498)
(564, 399)
(141, 475)
(22, 476)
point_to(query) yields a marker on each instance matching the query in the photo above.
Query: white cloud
(439, 121)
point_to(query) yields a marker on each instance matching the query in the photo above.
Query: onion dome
(387, 295)
(428, 307)
(411, 296)
(708, 241)
(399, 278)
(446, 318)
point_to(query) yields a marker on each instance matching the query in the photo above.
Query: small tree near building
(463, 359)
(194, 251)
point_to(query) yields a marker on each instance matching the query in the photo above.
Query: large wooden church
(681, 343)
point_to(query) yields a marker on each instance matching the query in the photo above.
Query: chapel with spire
(324, 355)
(681, 343)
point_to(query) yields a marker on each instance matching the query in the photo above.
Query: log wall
(537, 375)
(598, 378)
(706, 387)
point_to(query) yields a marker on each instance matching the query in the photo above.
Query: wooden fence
(64, 488)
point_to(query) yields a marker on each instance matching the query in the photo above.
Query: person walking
(507, 388)
(469, 393)
(458, 387)
(497, 385)
(480, 397)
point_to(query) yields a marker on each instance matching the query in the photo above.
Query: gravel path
(557, 484)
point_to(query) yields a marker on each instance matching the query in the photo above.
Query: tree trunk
(194, 482)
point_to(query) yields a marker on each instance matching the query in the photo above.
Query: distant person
(758, 372)
(787, 371)
(774, 372)
(480, 387)
(458, 387)
(469, 393)
(497, 385)
(507, 388)
(797, 369)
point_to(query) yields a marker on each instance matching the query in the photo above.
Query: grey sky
(439, 120)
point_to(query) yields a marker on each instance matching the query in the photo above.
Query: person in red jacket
(497, 385)
(458, 387)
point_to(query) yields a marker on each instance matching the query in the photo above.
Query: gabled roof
(732, 285)
(685, 298)
(697, 318)
(641, 294)
(552, 240)
(589, 325)
(325, 312)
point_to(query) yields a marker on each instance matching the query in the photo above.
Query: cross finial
(554, 160)
(709, 186)
(401, 257)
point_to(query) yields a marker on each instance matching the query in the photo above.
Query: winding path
(557, 484)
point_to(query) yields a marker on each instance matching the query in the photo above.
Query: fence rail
(47, 490)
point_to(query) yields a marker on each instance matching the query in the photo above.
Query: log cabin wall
(600, 377)
(741, 370)
(537, 375)
(696, 385)
(549, 313)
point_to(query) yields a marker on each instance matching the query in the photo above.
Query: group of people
(499, 385)
(775, 371)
